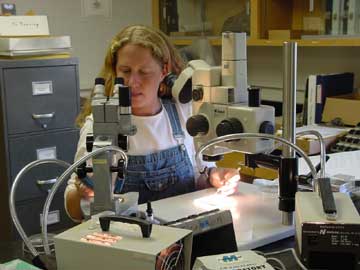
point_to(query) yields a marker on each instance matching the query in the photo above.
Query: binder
(311, 99)
(336, 17)
(319, 87)
(328, 16)
(353, 17)
(344, 15)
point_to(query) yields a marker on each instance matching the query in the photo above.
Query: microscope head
(223, 104)
(215, 120)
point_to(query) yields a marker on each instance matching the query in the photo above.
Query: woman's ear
(165, 70)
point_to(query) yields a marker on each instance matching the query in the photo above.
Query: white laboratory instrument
(241, 260)
(324, 243)
(112, 126)
(123, 247)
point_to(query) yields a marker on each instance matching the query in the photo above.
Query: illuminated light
(230, 186)
(215, 201)
(104, 239)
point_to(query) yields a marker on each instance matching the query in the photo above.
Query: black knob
(229, 126)
(197, 94)
(197, 125)
(99, 80)
(267, 127)
(212, 158)
(254, 96)
(89, 142)
(119, 80)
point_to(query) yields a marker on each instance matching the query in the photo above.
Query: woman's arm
(75, 189)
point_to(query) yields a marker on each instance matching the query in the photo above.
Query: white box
(34, 43)
(233, 46)
(207, 76)
(24, 26)
(132, 251)
(19, 46)
(234, 73)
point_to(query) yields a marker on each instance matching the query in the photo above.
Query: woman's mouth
(136, 94)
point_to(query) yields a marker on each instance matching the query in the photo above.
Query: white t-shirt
(154, 133)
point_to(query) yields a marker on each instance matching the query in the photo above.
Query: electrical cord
(293, 253)
(283, 267)
(279, 252)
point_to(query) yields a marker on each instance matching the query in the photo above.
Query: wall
(89, 35)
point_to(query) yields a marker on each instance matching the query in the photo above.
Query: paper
(325, 131)
(344, 163)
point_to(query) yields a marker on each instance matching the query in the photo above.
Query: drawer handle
(43, 119)
(42, 116)
(46, 182)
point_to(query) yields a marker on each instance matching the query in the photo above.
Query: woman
(161, 153)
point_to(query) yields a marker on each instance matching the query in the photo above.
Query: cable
(294, 254)
(12, 196)
(237, 136)
(283, 267)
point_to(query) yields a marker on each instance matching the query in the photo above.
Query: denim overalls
(165, 173)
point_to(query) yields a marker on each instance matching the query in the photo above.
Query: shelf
(308, 43)
(216, 41)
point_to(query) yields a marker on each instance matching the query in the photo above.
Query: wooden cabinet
(271, 21)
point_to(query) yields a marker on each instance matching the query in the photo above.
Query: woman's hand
(73, 200)
(224, 179)
(84, 191)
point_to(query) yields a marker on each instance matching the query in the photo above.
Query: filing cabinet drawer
(45, 98)
(29, 215)
(23, 150)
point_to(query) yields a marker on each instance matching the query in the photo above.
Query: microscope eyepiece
(197, 125)
(99, 80)
(229, 126)
(119, 80)
(170, 79)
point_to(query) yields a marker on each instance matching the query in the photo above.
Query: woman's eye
(144, 72)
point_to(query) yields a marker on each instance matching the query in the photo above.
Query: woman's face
(143, 74)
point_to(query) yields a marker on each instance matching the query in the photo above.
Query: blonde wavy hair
(161, 48)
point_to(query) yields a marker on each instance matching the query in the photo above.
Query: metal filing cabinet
(39, 103)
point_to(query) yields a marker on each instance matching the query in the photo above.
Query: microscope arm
(66, 174)
(238, 136)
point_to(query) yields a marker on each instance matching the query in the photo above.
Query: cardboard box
(310, 143)
(346, 107)
(280, 34)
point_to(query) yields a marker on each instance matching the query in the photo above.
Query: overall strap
(172, 112)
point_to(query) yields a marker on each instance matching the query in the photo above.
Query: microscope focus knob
(267, 127)
(198, 93)
(197, 125)
(229, 126)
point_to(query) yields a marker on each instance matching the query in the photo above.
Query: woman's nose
(133, 79)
